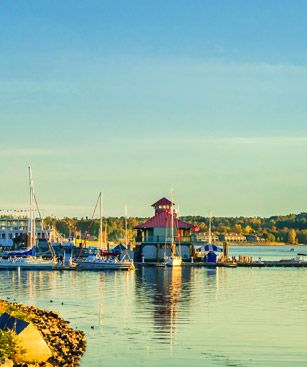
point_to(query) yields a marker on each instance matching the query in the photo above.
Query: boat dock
(256, 264)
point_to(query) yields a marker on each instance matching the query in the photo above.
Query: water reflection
(179, 316)
(165, 291)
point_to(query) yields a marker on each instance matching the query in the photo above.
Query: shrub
(8, 345)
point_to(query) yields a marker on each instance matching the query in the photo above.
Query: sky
(133, 98)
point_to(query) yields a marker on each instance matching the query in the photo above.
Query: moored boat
(27, 259)
(96, 263)
(229, 264)
(174, 260)
(108, 262)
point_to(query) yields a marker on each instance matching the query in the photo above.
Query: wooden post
(225, 250)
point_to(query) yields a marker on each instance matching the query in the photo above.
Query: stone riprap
(66, 344)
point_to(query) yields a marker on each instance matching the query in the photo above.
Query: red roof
(163, 219)
(162, 201)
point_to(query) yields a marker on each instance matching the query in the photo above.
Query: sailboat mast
(179, 237)
(100, 223)
(210, 229)
(126, 226)
(31, 225)
(172, 225)
(106, 234)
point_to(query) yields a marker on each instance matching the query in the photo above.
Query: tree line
(290, 228)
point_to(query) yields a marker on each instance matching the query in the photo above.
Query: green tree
(302, 236)
(271, 237)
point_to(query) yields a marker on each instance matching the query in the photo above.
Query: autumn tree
(292, 236)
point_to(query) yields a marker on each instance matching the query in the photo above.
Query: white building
(17, 228)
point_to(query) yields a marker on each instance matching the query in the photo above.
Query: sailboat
(175, 259)
(102, 260)
(27, 259)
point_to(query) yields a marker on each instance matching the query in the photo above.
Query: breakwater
(66, 344)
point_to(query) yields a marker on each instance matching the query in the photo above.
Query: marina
(200, 316)
(163, 240)
(164, 223)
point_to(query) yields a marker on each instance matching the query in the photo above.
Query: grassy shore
(66, 344)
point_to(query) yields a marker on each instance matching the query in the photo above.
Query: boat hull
(105, 266)
(7, 265)
(173, 262)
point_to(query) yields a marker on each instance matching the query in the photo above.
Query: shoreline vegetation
(288, 229)
(66, 344)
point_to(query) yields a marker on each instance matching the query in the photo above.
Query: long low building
(153, 241)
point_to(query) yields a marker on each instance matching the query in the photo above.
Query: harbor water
(178, 317)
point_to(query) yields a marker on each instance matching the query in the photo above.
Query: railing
(162, 239)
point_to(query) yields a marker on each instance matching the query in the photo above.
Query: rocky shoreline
(66, 344)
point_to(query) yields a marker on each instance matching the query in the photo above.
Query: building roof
(163, 219)
(8, 322)
(163, 201)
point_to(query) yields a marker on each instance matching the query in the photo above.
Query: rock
(67, 345)
(7, 363)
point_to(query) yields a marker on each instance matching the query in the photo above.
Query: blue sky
(135, 97)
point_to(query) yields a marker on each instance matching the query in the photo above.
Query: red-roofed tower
(154, 235)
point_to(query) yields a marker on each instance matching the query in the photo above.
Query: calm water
(183, 317)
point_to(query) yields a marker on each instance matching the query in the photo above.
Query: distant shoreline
(260, 244)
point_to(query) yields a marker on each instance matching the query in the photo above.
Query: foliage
(292, 227)
(292, 236)
(8, 345)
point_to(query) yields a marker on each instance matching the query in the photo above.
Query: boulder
(29, 338)
(7, 363)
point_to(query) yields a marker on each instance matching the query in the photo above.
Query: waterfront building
(207, 238)
(232, 237)
(15, 230)
(254, 238)
(153, 240)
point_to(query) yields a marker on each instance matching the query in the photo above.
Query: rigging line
(89, 228)
(43, 228)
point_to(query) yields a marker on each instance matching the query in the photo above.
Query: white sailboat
(175, 259)
(27, 259)
(103, 261)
